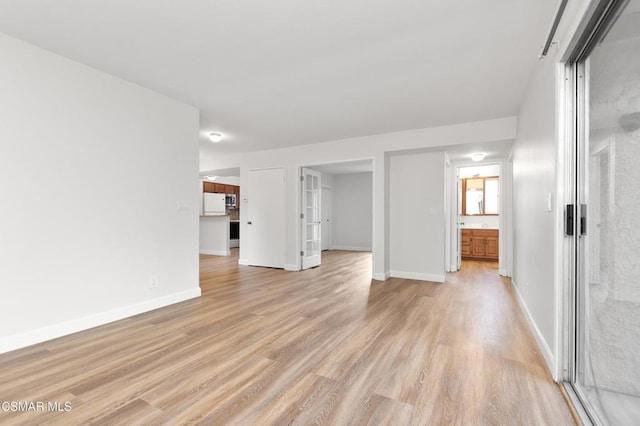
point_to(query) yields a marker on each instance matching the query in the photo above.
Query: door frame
(299, 207)
(326, 202)
(505, 256)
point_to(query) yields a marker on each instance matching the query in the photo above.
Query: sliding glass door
(606, 362)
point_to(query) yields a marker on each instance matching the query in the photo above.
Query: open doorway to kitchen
(220, 204)
(336, 209)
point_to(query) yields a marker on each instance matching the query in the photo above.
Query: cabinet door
(208, 187)
(465, 243)
(236, 190)
(219, 188)
(465, 249)
(491, 247)
(477, 246)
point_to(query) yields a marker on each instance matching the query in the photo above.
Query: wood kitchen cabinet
(479, 244)
(221, 188)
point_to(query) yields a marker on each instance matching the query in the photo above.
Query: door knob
(249, 223)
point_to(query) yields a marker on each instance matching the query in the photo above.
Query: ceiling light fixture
(478, 156)
(215, 137)
(212, 178)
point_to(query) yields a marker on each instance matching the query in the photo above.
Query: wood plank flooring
(324, 346)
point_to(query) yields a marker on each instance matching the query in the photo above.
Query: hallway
(327, 345)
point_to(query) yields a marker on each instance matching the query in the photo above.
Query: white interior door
(326, 219)
(266, 223)
(311, 218)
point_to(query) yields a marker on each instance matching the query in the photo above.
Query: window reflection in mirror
(480, 196)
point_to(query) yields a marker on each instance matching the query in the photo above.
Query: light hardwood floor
(324, 346)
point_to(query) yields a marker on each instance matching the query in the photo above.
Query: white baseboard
(291, 267)
(244, 262)
(350, 248)
(379, 276)
(418, 276)
(216, 252)
(503, 272)
(43, 334)
(542, 343)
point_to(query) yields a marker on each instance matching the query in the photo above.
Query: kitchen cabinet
(479, 244)
(220, 188)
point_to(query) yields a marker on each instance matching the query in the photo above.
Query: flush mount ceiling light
(478, 156)
(212, 178)
(215, 137)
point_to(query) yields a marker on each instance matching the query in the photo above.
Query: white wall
(326, 180)
(534, 177)
(417, 216)
(214, 235)
(352, 211)
(539, 263)
(482, 171)
(374, 147)
(91, 171)
(227, 180)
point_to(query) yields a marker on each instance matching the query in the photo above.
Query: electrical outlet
(153, 282)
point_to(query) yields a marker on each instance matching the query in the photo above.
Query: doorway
(340, 217)
(479, 212)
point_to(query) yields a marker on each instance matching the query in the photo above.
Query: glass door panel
(608, 249)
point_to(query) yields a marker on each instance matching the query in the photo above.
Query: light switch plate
(183, 206)
(549, 202)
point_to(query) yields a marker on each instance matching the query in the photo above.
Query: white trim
(291, 267)
(418, 276)
(381, 277)
(216, 252)
(564, 195)
(503, 272)
(542, 343)
(447, 217)
(351, 248)
(43, 334)
(243, 262)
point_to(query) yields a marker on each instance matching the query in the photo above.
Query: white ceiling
(279, 73)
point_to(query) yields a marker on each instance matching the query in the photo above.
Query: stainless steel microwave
(230, 200)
